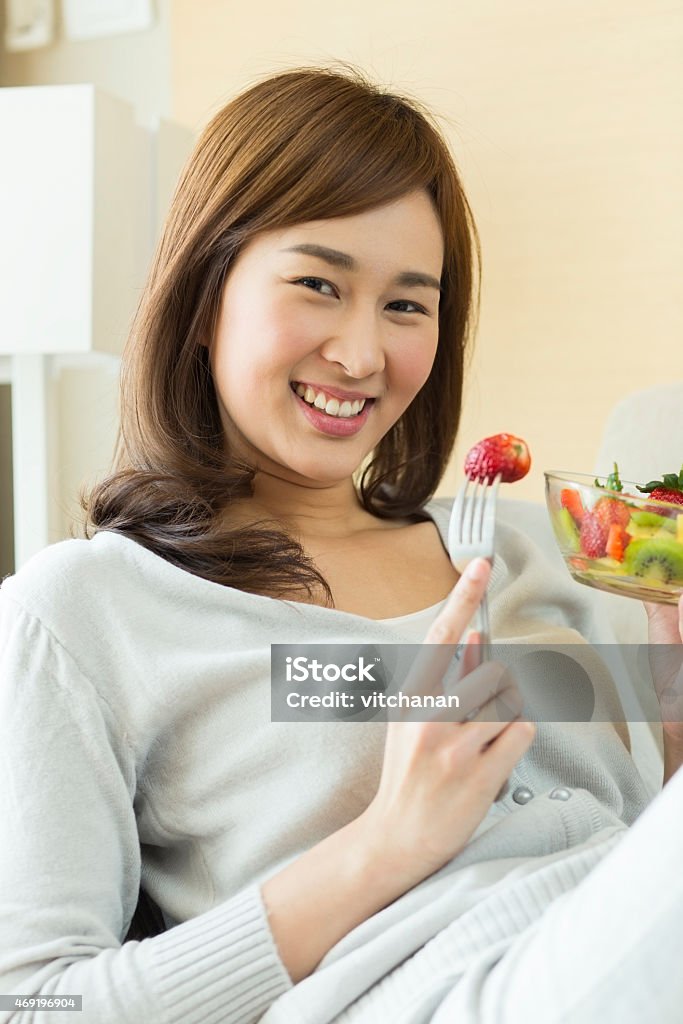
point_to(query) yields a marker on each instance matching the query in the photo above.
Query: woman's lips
(334, 426)
(343, 396)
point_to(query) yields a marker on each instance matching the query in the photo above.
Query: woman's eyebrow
(407, 278)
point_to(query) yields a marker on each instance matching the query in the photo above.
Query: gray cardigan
(137, 747)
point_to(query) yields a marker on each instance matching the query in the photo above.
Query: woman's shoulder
(67, 571)
(94, 588)
(79, 589)
(48, 569)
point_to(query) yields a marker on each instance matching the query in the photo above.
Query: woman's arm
(70, 864)
(323, 894)
(438, 781)
(70, 854)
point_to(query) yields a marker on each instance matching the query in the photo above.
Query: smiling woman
(319, 236)
(277, 327)
(319, 254)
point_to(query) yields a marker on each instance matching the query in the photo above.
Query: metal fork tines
(471, 533)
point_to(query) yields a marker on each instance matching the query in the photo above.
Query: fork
(471, 534)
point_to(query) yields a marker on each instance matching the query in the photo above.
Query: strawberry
(617, 541)
(669, 488)
(571, 500)
(612, 510)
(502, 453)
(664, 494)
(593, 536)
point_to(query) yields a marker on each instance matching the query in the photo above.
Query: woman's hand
(438, 781)
(439, 778)
(665, 635)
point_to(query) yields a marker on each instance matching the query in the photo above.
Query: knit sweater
(137, 745)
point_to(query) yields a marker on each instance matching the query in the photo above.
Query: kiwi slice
(655, 558)
(639, 517)
(566, 530)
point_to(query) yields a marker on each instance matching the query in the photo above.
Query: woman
(319, 250)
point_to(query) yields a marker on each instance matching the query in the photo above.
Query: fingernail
(476, 570)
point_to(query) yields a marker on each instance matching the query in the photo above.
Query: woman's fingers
(505, 750)
(499, 710)
(471, 653)
(666, 615)
(463, 601)
(488, 697)
(439, 647)
(488, 682)
(665, 623)
(438, 672)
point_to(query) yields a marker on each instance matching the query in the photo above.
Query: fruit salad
(626, 539)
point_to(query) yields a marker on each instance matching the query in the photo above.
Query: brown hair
(305, 144)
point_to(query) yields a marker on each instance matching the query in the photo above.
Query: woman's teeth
(332, 406)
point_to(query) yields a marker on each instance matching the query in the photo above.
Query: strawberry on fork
(502, 454)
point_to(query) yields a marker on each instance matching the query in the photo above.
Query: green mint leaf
(613, 481)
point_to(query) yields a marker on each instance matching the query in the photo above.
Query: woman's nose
(358, 347)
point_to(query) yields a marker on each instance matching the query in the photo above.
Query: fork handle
(485, 639)
(484, 626)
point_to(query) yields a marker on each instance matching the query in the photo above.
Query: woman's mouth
(334, 423)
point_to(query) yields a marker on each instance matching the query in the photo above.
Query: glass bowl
(619, 541)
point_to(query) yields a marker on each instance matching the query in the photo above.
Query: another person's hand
(665, 636)
(439, 778)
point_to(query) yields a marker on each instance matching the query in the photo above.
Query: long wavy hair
(305, 144)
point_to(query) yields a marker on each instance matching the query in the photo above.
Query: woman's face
(347, 306)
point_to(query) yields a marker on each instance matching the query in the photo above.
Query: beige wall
(565, 120)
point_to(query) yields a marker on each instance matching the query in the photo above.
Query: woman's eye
(312, 282)
(317, 283)
(405, 302)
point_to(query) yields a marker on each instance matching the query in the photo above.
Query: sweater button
(522, 795)
(560, 793)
